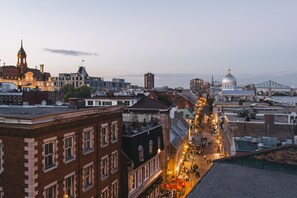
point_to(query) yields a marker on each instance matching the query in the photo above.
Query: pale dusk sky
(173, 38)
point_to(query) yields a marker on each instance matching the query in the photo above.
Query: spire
(212, 82)
(21, 43)
(229, 71)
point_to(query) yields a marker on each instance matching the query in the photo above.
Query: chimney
(42, 68)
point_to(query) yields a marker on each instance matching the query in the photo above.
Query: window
(69, 149)
(69, 186)
(114, 132)
(104, 167)
(159, 143)
(51, 191)
(140, 153)
(139, 175)
(152, 167)
(98, 103)
(88, 139)
(104, 193)
(90, 103)
(1, 157)
(114, 161)
(151, 146)
(49, 154)
(1, 192)
(106, 103)
(157, 164)
(114, 189)
(88, 178)
(104, 135)
(132, 182)
(146, 172)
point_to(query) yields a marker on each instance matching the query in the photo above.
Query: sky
(174, 39)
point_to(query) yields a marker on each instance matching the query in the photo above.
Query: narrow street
(210, 153)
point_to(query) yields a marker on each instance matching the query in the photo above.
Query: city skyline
(170, 38)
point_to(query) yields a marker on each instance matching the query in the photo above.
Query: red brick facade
(24, 153)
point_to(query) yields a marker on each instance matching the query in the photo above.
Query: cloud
(70, 52)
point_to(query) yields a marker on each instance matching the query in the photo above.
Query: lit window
(88, 177)
(69, 149)
(104, 167)
(69, 186)
(114, 132)
(104, 136)
(49, 154)
(51, 192)
(132, 182)
(114, 189)
(114, 161)
(104, 193)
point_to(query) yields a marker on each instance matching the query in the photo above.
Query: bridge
(270, 86)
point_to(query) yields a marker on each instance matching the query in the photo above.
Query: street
(210, 153)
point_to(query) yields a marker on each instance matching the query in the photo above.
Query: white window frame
(157, 165)
(1, 157)
(114, 190)
(139, 177)
(66, 149)
(54, 155)
(54, 187)
(146, 172)
(114, 161)
(89, 168)
(71, 176)
(104, 167)
(104, 135)
(114, 132)
(152, 167)
(105, 193)
(89, 142)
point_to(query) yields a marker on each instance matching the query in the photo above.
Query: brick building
(51, 152)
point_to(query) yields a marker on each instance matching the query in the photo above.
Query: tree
(71, 92)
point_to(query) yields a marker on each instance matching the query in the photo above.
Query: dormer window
(159, 143)
(151, 143)
(140, 153)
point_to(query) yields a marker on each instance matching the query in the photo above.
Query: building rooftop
(32, 111)
(269, 173)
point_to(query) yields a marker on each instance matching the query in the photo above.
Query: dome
(229, 78)
(229, 82)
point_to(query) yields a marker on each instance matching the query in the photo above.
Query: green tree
(71, 92)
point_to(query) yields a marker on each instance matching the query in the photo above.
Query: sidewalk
(209, 151)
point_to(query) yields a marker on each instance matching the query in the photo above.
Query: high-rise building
(149, 81)
(23, 76)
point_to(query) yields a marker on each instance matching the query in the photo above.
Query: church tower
(22, 62)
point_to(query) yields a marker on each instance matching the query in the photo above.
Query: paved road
(210, 152)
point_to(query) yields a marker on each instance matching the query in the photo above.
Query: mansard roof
(146, 103)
